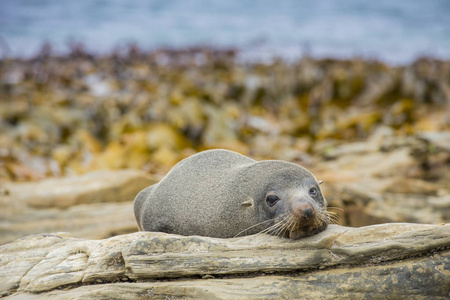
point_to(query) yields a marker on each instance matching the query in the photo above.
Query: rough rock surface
(386, 179)
(389, 179)
(93, 205)
(401, 261)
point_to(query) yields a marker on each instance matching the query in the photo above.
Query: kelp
(61, 115)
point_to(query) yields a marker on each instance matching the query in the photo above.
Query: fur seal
(223, 194)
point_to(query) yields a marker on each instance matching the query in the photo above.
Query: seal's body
(220, 193)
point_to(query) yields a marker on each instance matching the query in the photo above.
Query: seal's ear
(320, 182)
(247, 203)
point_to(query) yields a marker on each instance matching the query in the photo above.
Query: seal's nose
(307, 213)
(303, 210)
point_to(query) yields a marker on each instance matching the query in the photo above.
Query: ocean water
(394, 31)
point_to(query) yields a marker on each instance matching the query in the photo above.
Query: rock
(390, 260)
(441, 204)
(94, 205)
(439, 139)
(94, 187)
(93, 221)
(435, 156)
(412, 186)
(388, 179)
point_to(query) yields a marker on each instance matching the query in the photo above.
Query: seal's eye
(313, 192)
(272, 200)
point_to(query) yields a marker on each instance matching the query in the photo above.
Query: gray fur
(220, 193)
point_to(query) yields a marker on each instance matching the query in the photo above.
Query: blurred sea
(393, 31)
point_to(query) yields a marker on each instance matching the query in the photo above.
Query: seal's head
(290, 202)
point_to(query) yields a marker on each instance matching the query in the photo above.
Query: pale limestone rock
(94, 187)
(95, 205)
(389, 179)
(387, 260)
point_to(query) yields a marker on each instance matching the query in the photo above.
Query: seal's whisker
(275, 230)
(324, 218)
(334, 207)
(278, 228)
(294, 225)
(290, 225)
(334, 218)
(273, 227)
(333, 214)
(280, 232)
(287, 227)
(261, 223)
(321, 217)
(270, 229)
(337, 220)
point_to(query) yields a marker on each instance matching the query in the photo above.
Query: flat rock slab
(389, 260)
(94, 187)
(94, 205)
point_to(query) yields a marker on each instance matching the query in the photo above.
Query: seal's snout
(306, 219)
(303, 210)
(307, 213)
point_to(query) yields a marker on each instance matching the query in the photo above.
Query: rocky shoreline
(81, 135)
(410, 261)
(75, 114)
(78, 113)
